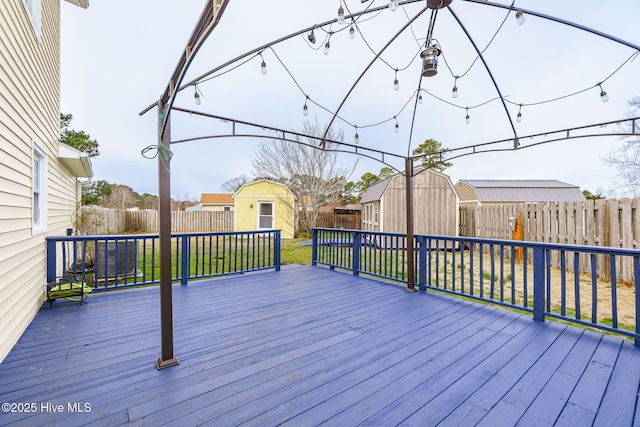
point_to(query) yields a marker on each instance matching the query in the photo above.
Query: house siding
(246, 217)
(29, 112)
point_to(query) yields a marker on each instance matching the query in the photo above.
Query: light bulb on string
(327, 46)
(352, 32)
(454, 91)
(263, 66)
(603, 94)
(396, 84)
(311, 37)
(520, 17)
(396, 129)
(340, 15)
(196, 96)
(356, 138)
(519, 116)
(467, 119)
(305, 109)
(393, 5)
(419, 98)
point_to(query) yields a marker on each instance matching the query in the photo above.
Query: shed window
(265, 215)
(39, 194)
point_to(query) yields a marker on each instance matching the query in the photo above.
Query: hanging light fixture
(352, 32)
(340, 14)
(263, 66)
(519, 116)
(397, 127)
(396, 84)
(196, 96)
(520, 17)
(603, 95)
(393, 5)
(467, 119)
(419, 98)
(305, 109)
(327, 46)
(356, 138)
(430, 61)
(311, 37)
(454, 91)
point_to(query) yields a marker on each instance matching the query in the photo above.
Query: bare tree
(234, 184)
(313, 175)
(122, 197)
(626, 159)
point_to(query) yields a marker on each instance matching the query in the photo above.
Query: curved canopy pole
(486, 66)
(560, 21)
(480, 148)
(355, 149)
(366, 69)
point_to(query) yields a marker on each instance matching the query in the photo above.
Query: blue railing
(108, 262)
(543, 279)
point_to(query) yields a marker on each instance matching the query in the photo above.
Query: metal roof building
(516, 191)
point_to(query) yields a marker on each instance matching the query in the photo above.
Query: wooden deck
(309, 346)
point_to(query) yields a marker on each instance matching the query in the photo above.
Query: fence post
(422, 263)
(185, 260)
(636, 275)
(277, 248)
(357, 246)
(538, 284)
(314, 246)
(51, 260)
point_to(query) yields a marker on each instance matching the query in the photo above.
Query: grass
(293, 253)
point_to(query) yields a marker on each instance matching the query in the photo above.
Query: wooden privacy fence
(101, 221)
(608, 223)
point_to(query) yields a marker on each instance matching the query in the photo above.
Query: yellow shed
(265, 205)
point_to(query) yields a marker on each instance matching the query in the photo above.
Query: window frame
(39, 162)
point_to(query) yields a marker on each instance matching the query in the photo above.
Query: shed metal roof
(375, 191)
(524, 190)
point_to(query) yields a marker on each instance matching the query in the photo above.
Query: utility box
(115, 259)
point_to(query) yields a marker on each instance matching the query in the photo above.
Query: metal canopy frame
(165, 105)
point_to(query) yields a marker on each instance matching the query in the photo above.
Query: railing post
(357, 246)
(636, 276)
(51, 260)
(185, 259)
(538, 284)
(314, 246)
(422, 263)
(277, 248)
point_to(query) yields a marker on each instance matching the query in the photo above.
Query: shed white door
(265, 215)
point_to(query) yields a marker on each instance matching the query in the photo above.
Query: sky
(117, 58)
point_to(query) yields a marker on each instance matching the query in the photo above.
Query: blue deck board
(311, 346)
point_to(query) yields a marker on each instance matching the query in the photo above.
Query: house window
(265, 215)
(39, 195)
(34, 11)
(375, 213)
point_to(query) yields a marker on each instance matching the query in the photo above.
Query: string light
(352, 32)
(467, 119)
(196, 96)
(311, 37)
(519, 116)
(396, 84)
(520, 17)
(263, 66)
(305, 109)
(327, 46)
(603, 95)
(397, 127)
(393, 5)
(419, 98)
(340, 15)
(454, 91)
(356, 138)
